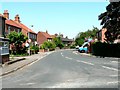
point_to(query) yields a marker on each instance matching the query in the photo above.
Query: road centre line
(62, 54)
(110, 68)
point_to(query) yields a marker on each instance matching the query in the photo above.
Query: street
(66, 69)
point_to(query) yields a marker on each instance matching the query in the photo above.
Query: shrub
(34, 49)
(48, 45)
(106, 50)
(72, 47)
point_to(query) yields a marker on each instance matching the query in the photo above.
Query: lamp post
(29, 40)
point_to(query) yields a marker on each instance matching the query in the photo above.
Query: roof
(66, 39)
(53, 36)
(12, 23)
(46, 35)
(24, 27)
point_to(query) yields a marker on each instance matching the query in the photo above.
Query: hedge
(106, 50)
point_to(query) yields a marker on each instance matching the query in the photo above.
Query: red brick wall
(24, 32)
(41, 38)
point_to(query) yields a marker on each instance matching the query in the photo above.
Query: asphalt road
(66, 69)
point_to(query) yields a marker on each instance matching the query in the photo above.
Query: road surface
(66, 69)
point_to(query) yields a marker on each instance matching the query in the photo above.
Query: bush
(48, 45)
(72, 47)
(34, 49)
(106, 50)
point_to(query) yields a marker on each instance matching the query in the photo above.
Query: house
(4, 44)
(10, 25)
(16, 25)
(25, 30)
(43, 36)
(66, 41)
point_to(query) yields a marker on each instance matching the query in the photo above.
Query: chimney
(17, 18)
(6, 14)
(46, 31)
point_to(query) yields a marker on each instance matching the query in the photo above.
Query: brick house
(10, 25)
(66, 41)
(4, 44)
(16, 25)
(25, 30)
(43, 36)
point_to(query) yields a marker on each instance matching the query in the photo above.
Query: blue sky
(68, 18)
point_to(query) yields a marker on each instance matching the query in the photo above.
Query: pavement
(17, 63)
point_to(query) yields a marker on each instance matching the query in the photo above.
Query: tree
(48, 45)
(58, 42)
(80, 39)
(17, 39)
(111, 21)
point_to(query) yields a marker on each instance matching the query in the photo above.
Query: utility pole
(29, 43)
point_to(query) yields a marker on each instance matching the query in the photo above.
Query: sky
(67, 18)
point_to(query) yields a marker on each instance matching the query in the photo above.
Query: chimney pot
(6, 14)
(17, 18)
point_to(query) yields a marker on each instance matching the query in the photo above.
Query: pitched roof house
(10, 25)
(42, 37)
(16, 25)
(2, 26)
(25, 30)
(4, 45)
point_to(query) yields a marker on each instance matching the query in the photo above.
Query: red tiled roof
(25, 27)
(12, 23)
(46, 35)
(53, 36)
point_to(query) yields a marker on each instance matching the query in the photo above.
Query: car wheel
(82, 51)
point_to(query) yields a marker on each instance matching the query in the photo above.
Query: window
(4, 47)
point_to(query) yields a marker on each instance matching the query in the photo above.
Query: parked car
(84, 48)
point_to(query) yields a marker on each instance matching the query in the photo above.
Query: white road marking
(75, 53)
(68, 58)
(78, 60)
(113, 75)
(87, 63)
(114, 61)
(112, 82)
(28, 84)
(62, 54)
(110, 68)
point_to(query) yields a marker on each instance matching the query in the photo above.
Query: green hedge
(106, 50)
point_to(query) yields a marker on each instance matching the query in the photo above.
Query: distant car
(84, 48)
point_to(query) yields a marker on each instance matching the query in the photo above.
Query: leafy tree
(58, 42)
(111, 21)
(17, 39)
(48, 45)
(80, 39)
